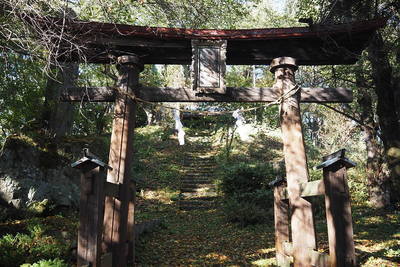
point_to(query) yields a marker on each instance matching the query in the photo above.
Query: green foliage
(248, 198)
(358, 185)
(310, 9)
(21, 94)
(243, 178)
(47, 263)
(150, 76)
(246, 213)
(240, 76)
(38, 207)
(32, 247)
(393, 252)
(263, 15)
(168, 13)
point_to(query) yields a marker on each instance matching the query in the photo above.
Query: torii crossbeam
(285, 48)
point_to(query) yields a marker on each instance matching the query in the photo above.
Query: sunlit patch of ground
(204, 238)
(198, 238)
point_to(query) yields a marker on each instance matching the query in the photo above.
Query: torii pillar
(117, 224)
(301, 217)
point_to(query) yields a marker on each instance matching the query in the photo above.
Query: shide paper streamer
(179, 127)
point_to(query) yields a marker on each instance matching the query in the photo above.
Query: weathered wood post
(338, 210)
(131, 224)
(91, 206)
(302, 224)
(116, 220)
(281, 219)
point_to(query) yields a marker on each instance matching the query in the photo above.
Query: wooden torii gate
(208, 51)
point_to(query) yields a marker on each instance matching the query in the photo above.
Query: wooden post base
(338, 215)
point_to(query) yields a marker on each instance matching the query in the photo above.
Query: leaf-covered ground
(197, 237)
(204, 238)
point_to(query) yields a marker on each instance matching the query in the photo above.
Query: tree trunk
(377, 172)
(385, 90)
(57, 116)
(387, 108)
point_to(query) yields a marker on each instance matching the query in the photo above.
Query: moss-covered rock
(36, 176)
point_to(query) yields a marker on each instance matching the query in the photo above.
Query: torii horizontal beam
(234, 94)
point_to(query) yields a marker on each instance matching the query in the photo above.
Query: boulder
(31, 177)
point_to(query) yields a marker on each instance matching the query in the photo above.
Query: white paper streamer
(239, 118)
(179, 127)
(242, 129)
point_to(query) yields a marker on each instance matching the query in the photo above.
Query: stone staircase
(197, 188)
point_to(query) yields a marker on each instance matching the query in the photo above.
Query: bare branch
(349, 117)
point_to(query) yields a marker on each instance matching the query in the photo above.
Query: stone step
(184, 188)
(199, 168)
(207, 184)
(199, 165)
(200, 171)
(202, 175)
(197, 189)
(199, 162)
(195, 207)
(198, 185)
(198, 175)
(196, 181)
(196, 165)
(204, 153)
(191, 183)
(196, 168)
(196, 202)
(200, 159)
(197, 159)
(199, 194)
(204, 198)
